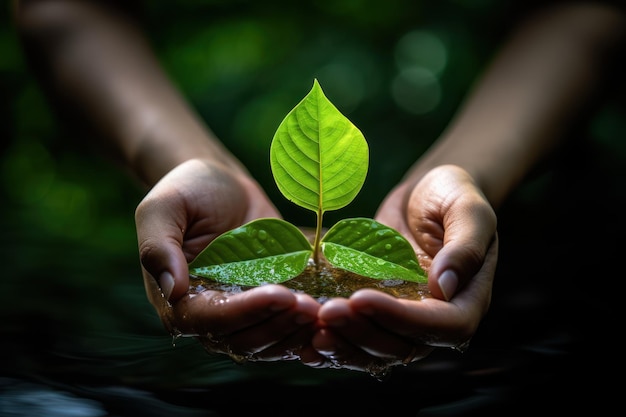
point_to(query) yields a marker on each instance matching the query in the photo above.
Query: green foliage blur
(397, 69)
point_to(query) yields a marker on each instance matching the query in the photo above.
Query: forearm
(533, 90)
(99, 64)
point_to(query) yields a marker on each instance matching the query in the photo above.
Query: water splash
(237, 358)
(175, 337)
(379, 371)
(462, 347)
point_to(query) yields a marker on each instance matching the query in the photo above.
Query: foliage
(319, 160)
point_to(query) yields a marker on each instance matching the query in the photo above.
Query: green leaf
(369, 248)
(259, 252)
(318, 157)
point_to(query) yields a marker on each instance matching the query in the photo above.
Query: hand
(267, 323)
(452, 227)
(184, 211)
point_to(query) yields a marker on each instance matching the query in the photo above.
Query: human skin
(542, 80)
(98, 67)
(103, 71)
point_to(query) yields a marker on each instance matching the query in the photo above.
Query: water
(79, 337)
(104, 353)
(323, 282)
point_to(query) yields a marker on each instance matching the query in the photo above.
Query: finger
(469, 231)
(276, 331)
(288, 348)
(246, 346)
(312, 358)
(219, 314)
(160, 235)
(366, 334)
(341, 354)
(458, 261)
(429, 321)
(338, 353)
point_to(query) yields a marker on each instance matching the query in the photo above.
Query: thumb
(450, 269)
(160, 249)
(465, 249)
(166, 264)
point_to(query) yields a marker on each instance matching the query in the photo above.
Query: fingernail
(166, 282)
(448, 281)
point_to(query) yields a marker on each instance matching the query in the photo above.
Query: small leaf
(260, 252)
(318, 157)
(369, 248)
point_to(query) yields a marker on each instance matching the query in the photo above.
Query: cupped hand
(188, 208)
(266, 323)
(452, 227)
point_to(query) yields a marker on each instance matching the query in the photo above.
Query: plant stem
(318, 238)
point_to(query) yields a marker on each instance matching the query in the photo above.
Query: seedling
(319, 160)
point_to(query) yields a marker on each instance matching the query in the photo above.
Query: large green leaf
(318, 157)
(369, 248)
(259, 252)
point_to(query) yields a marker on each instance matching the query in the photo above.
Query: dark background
(78, 335)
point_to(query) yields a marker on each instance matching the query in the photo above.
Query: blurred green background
(71, 298)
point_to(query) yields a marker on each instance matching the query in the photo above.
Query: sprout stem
(318, 238)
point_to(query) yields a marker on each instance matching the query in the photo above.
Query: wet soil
(325, 282)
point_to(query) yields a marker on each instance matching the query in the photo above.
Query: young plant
(319, 161)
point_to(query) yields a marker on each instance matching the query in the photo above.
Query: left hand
(191, 205)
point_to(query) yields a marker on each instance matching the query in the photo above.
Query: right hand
(452, 227)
